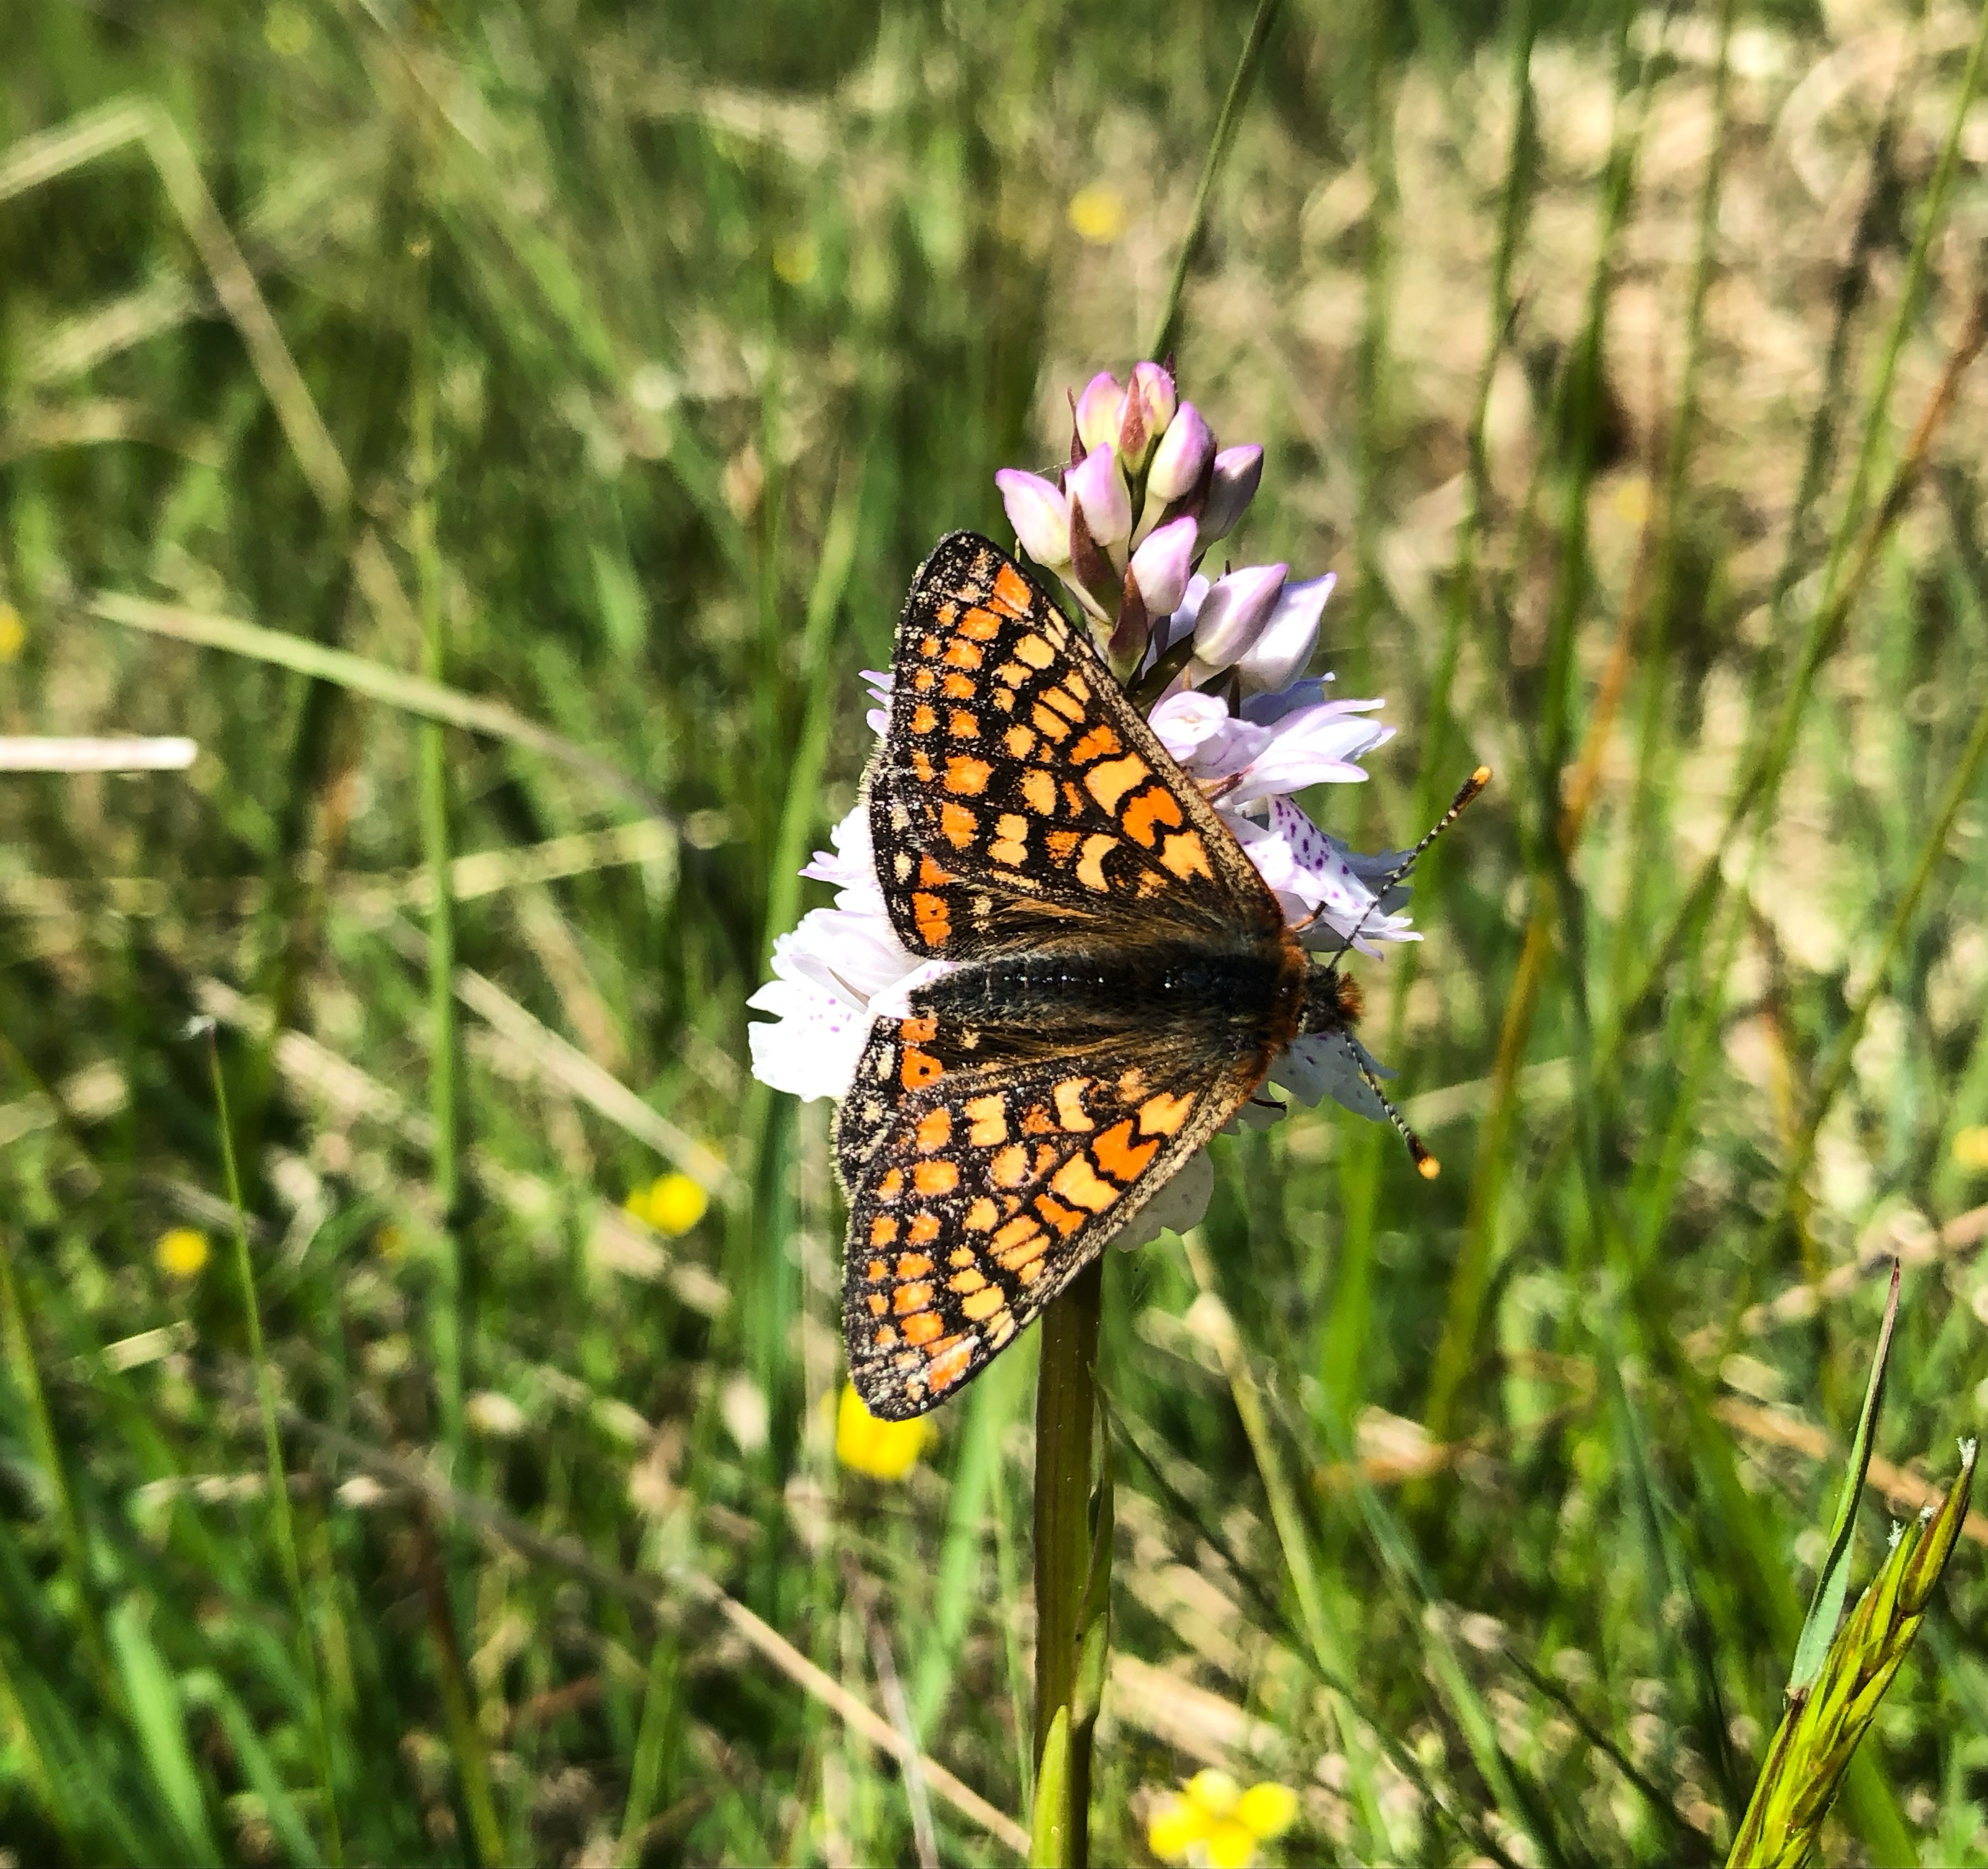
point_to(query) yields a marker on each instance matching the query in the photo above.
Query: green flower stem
(1066, 1415)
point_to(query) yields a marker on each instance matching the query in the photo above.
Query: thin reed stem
(281, 1525)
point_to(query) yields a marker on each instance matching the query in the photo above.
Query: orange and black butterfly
(1124, 980)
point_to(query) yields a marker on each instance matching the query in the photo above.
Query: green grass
(500, 436)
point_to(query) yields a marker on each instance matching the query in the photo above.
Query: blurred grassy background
(616, 366)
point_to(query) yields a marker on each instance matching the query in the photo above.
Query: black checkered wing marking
(1019, 798)
(977, 1193)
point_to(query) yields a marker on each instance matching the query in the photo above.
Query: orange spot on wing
(918, 1070)
(924, 717)
(980, 1217)
(912, 1265)
(1065, 1219)
(932, 919)
(1153, 806)
(1010, 1167)
(934, 1129)
(892, 1184)
(1022, 1227)
(968, 1278)
(923, 681)
(1095, 744)
(1068, 1097)
(882, 1230)
(1019, 740)
(928, 645)
(1039, 791)
(963, 655)
(1025, 1253)
(1064, 702)
(1034, 651)
(1077, 1181)
(936, 1177)
(957, 825)
(909, 1298)
(1186, 855)
(922, 765)
(967, 775)
(1163, 1113)
(1118, 1155)
(948, 1366)
(1051, 723)
(989, 1115)
(982, 625)
(962, 725)
(922, 1232)
(920, 1028)
(982, 1304)
(1012, 592)
(923, 1327)
(879, 1304)
(931, 874)
(1109, 783)
(1091, 866)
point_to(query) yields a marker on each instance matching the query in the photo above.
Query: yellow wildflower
(182, 1253)
(1098, 213)
(884, 1449)
(1212, 1821)
(796, 259)
(1970, 1148)
(13, 631)
(672, 1204)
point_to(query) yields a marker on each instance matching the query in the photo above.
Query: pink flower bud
(1149, 407)
(1233, 614)
(1161, 567)
(1096, 486)
(1237, 471)
(1182, 454)
(1100, 410)
(1285, 643)
(1039, 514)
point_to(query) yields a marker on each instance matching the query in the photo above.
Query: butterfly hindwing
(976, 1192)
(1019, 798)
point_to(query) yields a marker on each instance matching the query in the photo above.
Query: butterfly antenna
(1468, 791)
(1426, 1165)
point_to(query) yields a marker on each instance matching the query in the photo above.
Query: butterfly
(1124, 979)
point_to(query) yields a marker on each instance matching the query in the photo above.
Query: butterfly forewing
(1018, 792)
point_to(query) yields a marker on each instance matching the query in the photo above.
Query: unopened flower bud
(1161, 567)
(1233, 614)
(1183, 452)
(1149, 407)
(1040, 513)
(1237, 471)
(1096, 486)
(1100, 410)
(1285, 643)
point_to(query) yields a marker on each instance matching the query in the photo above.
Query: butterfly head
(1333, 1000)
